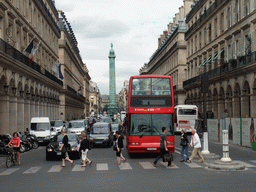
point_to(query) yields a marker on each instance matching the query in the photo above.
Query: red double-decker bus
(150, 107)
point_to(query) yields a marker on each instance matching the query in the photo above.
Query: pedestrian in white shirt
(195, 142)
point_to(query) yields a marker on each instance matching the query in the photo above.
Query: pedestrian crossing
(107, 167)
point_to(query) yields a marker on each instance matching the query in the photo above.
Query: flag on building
(56, 68)
(30, 47)
(34, 49)
(79, 89)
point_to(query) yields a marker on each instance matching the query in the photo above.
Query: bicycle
(12, 157)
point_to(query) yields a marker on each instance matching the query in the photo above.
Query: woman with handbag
(64, 148)
(184, 146)
(84, 148)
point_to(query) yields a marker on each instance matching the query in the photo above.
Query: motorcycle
(25, 144)
(33, 140)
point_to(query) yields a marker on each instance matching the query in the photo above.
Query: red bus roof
(147, 76)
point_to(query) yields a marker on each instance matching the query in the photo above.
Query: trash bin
(254, 146)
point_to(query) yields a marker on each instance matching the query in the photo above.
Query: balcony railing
(226, 67)
(75, 92)
(49, 15)
(203, 16)
(195, 8)
(15, 54)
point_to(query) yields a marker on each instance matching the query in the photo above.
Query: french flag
(32, 50)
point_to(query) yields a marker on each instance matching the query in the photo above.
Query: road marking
(193, 165)
(32, 170)
(125, 166)
(102, 166)
(55, 168)
(166, 163)
(147, 165)
(9, 171)
(78, 168)
(246, 164)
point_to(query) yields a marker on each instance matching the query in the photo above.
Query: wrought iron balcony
(15, 54)
(226, 67)
(75, 92)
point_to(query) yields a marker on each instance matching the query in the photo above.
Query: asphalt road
(137, 174)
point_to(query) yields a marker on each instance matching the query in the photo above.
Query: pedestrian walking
(15, 141)
(84, 148)
(119, 146)
(64, 148)
(184, 146)
(195, 142)
(163, 148)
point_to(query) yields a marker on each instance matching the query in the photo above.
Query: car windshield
(56, 123)
(115, 127)
(40, 126)
(100, 130)
(75, 124)
(70, 138)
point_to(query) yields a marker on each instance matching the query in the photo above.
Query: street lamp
(14, 90)
(6, 87)
(21, 93)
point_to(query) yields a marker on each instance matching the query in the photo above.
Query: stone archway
(209, 101)
(215, 103)
(221, 103)
(237, 101)
(245, 101)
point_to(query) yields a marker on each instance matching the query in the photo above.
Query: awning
(202, 64)
(214, 58)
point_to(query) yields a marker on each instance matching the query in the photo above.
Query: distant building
(123, 97)
(95, 99)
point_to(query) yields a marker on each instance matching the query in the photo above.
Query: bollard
(205, 144)
(225, 157)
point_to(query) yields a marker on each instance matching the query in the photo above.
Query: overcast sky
(133, 26)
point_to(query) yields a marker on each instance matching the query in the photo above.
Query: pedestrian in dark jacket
(184, 146)
(119, 146)
(84, 148)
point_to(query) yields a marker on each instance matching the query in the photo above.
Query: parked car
(101, 134)
(76, 126)
(52, 149)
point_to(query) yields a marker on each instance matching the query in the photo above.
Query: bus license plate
(151, 149)
(58, 153)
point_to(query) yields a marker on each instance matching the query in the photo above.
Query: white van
(77, 126)
(40, 127)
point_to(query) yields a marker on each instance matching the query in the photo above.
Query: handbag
(183, 142)
(168, 157)
(114, 147)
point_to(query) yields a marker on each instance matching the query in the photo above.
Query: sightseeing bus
(150, 107)
(185, 116)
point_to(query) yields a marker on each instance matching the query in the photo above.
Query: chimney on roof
(165, 34)
(159, 41)
(170, 25)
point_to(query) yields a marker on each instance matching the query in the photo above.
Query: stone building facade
(170, 57)
(94, 99)
(122, 97)
(221, 46)
(27, 89)
(73, 102)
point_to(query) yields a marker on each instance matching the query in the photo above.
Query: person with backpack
(84, 148)
(184, 146)
(163, 148)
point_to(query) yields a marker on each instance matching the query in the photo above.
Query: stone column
(236, 106)
(37, 109)
(215, 108)
(20, 115)
(32, 109)
(221, 106)
(41, 108)
(4, 114)
(13, 114)
(253, 108)
(228, 106)
(26, 112)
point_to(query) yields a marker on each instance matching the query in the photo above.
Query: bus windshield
(187, 112)
(151, 86)
(151, 124)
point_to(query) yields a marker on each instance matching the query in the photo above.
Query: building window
(222, 22)
(210, 32)
(246, 7)
(236, 13)
(215, 27)
(228, 18)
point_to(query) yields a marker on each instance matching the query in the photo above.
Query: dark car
(101, 134)
(52, 149)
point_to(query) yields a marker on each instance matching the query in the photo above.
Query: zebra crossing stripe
(32, 170)
(166, 165)
(9, 171)
(55, 168)
(78, 168)
(147, 165)
(102, 166)
(193, 165)
(246, 164)
(125, 166)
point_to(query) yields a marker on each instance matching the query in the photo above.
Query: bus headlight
(135, 143)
